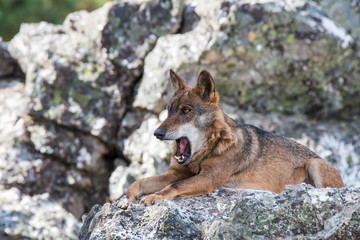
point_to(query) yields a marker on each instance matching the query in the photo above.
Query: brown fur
(225, 153)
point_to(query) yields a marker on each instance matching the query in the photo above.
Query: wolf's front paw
(131, 197)
(134, 191)
(152, 199)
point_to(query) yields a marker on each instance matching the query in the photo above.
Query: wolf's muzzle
(160, 133)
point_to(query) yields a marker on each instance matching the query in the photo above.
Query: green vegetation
(15, 12)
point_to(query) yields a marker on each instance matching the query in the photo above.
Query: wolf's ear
(177, 82)
(205, 87)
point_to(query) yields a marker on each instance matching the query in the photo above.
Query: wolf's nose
(159, 133)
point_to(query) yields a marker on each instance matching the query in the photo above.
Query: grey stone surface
(59, 131)
(280, 56)
(299, 212)
(34, 217)
(345, 13)
(36, 159)
(80, 74)
(13, 102)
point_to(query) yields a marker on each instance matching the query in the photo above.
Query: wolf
(212, 150)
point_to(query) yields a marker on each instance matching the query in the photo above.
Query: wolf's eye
(185, 110)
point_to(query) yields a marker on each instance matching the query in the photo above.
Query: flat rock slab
(300, 211)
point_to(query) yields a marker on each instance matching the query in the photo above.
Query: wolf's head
(191, 112)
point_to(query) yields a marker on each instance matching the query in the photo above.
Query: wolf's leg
(322, 174)
(203, 183)
(153, 184)
(194, 186)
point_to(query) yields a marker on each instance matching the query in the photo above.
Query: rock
(131, 121)
(300, 211)
(170, 52)
(345, 13)
(266, 57)
(13, 102)
(35, 201)
(79, 79)
(119, 182)
(297, 212)
(66, 93)
(190, 19)
(42, 157)
(34, 217)
(7, 63)
(80, 76)
(83, 151)
(33, 173)
(132, 30)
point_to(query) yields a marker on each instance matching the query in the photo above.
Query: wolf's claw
(151, 199)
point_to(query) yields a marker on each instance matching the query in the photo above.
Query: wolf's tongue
(183, 143)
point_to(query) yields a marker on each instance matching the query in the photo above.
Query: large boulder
(82, 151)
(40, 197)
(79, 79)
(278, 56)
(34, 217)
(80, 74)
(79, 82)
(36, 159)
(73, 186)
(300, 212)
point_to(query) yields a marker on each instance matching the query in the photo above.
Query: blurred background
(15, 12)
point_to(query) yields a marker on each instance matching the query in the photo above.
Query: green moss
(167, 227)
(300, 217)
(287, 84)
(88, 72)
(80, 98)
(57, 97)
(290, 38)
(230, 65)
(139, 159)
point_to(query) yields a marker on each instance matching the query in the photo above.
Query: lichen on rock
(34, 217)
(299, 211)
(88, 89)
(266, 57)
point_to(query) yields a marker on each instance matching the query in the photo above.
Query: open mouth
(183, 152)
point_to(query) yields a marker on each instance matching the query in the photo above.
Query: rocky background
(79, 103)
